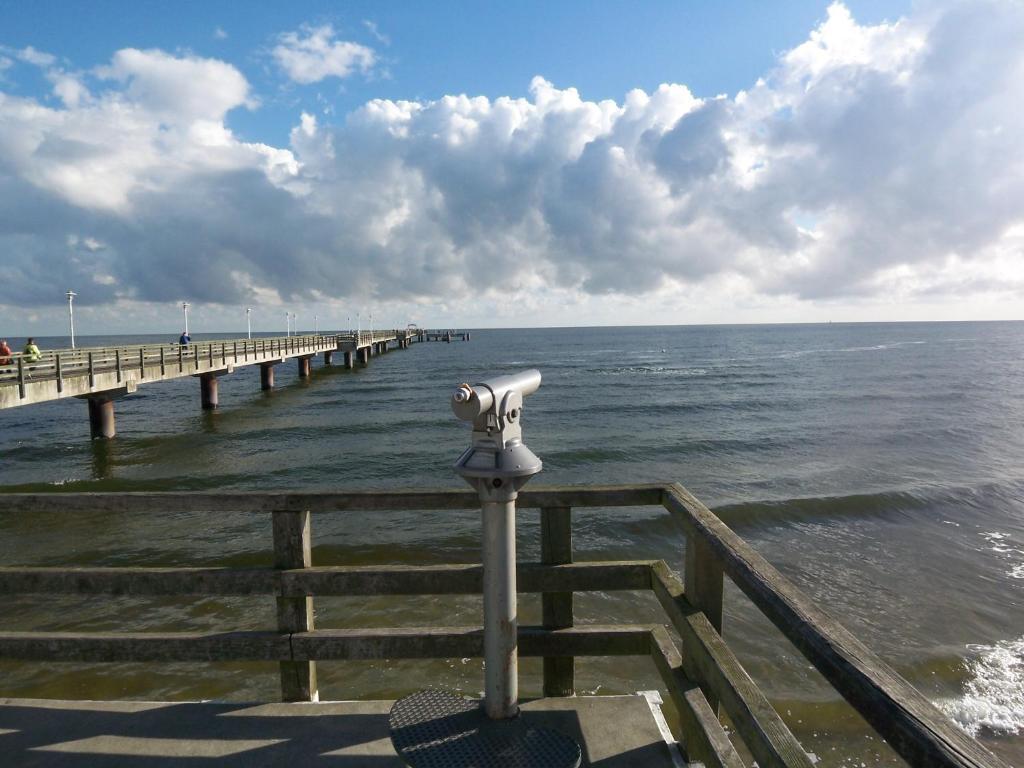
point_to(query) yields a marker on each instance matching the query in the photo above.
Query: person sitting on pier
(184, 339)
(31, 351)
(5, 352)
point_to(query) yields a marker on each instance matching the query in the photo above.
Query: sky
(494, 164)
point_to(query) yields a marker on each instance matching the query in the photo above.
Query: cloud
(379, 36)
(220, 34)
(872, 163)
(312, 54)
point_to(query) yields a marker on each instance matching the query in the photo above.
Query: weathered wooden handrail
(912, 725)
(706, 671)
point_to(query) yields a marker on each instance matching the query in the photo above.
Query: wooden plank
(556, 607)
(150, 646)
(709, 661)
(294, 614)
(351, 580)
(326, 501)
(462, 578)
(914, 727)
(463, 642)
(140, 581)
(704, 589)
(704, 738)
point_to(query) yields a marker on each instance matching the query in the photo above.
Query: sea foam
(993, 698)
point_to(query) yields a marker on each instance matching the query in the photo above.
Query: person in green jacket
(31, 351)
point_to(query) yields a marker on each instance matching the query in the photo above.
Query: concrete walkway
(615, 731)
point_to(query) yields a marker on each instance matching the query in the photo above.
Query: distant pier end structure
(101, 375)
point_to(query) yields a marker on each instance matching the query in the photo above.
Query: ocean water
(878, 466)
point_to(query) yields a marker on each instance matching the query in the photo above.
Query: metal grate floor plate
(439, 729)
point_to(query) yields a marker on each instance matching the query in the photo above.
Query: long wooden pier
(101, 375)
(701, 674)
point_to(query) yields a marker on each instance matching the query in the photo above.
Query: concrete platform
(615, 732)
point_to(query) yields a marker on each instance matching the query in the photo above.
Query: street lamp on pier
(248, 322)
(71, 316)
(184, 309)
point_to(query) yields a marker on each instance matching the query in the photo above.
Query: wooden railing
(702, 677)
(61, 364)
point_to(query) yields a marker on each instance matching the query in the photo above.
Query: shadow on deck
(615, 732)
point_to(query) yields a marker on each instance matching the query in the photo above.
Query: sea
(880, 467)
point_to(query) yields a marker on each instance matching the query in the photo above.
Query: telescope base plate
(439, 729)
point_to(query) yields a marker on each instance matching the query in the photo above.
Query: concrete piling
(208, 391)
(266, 376)
(349, 361)
(305, 366)
(328, 357)
(101, 417)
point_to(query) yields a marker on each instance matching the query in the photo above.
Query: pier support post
(101, 417)
(328, 357)
(556, 549)
(208, 391)
(267, 376)
(364, 355)
(292, 549)
(305, 366)
(704, 583)
(349, 361)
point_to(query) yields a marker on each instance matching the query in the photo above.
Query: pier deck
(102, 375)
(615, 732)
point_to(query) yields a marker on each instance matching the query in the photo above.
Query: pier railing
(60, 364)
(701, 674)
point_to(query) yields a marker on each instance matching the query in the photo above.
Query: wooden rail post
(294, 614)
(142, 362)
(704, 583)
(556, 607)
(60, 372)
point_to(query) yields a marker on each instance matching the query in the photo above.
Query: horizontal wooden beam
(463, 642)
(148, 646)
(914, 727)
(141, 502)
(710, 662)
(704, 738)
(346, 580)
(402, 643)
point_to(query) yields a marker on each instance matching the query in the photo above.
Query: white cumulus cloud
(312, 54)
(877, 162)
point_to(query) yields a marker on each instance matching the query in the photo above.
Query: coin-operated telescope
(498, 463)
(458, 731)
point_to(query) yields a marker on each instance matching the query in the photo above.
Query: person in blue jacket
(185, 339)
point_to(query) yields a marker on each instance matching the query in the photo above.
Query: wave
(993, 697)
(868, 504)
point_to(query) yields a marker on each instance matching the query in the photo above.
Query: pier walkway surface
(101, 375)
(618, 731)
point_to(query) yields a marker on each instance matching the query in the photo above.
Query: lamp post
(184, 309)
(71, 316)
(288, 323)
(316, 325)
(248, 322)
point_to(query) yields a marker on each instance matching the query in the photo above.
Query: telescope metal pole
(501, 668)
